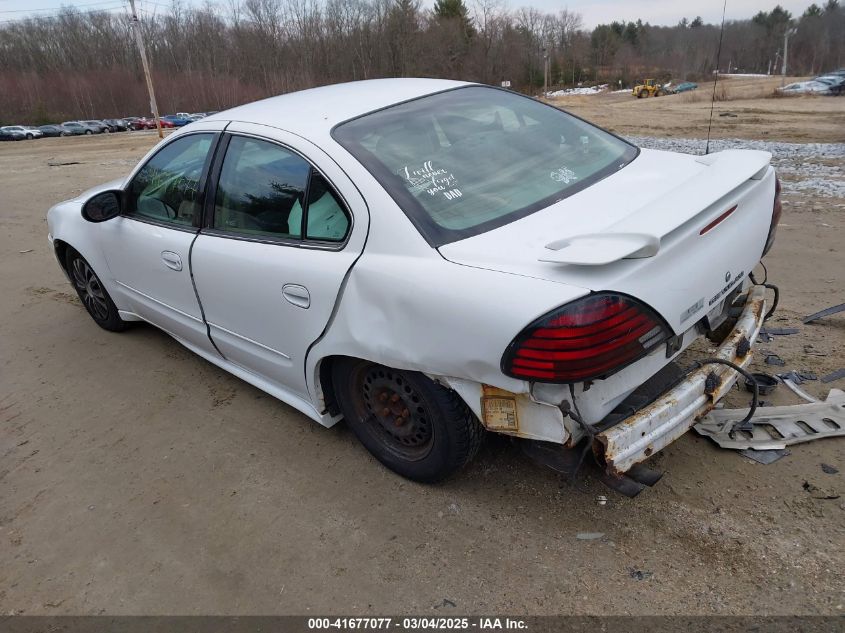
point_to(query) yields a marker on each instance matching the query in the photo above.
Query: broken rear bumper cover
(653, 427)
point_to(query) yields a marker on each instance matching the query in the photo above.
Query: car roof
(319, 109)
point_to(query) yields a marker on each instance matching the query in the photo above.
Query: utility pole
(545, 73)
(136, 27)
(786, 35)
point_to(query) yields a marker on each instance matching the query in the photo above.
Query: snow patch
(804, 167)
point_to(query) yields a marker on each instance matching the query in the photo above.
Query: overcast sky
(594, 12)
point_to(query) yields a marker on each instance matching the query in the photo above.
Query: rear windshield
(465, 161)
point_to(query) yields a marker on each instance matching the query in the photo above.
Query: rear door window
(267, 190)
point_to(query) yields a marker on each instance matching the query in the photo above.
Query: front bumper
(652, 428)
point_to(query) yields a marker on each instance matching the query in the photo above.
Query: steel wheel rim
(90, 289)
(393, 411)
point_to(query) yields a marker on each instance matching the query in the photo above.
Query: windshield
(465, 161)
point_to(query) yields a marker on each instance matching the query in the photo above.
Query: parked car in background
(75, 128)
(52, 130)
(97, 124)
(149, 123)
(80, 127)
(413, 255)
(805, 88)
(176, 120)
(11, 133)
(835, 83)
(116, 125)
(28, 131)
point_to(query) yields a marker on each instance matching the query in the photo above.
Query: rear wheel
(88, 132)
(29, 137)
(412, 425)
(93, 295)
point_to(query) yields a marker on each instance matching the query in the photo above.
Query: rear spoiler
(725, 171)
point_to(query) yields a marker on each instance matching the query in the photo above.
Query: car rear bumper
(652, 428)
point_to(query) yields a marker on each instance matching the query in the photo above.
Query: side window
(261, 190)
(166, 189)
(327, 221)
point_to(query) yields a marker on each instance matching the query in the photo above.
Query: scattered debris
(798, 377)
(765, 457)
(639, 574)
(446, 603)
(819, 493)
(811, 351)
(589, 536)
(62, 164)
(777, 427)
(829, 470)
(774, 359)
(765, 337)
(765, 383)
(797, 390)
(780, 331)
(823, 313)
(835, 375)
(602, 500)
(730, 114)
(29, 250)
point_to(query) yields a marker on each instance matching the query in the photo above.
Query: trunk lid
(678, 232)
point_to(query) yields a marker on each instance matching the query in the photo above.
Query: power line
(67, 6)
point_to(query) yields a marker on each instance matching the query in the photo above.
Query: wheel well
(327, 384)
(61, 253)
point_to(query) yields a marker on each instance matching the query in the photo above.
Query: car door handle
(171, 260)
(297, 295)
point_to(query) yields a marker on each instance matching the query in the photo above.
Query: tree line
(75, 64)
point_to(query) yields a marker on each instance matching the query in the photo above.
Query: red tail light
(777, 210)
(589, 338)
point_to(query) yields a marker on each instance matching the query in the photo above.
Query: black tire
(88, 132)
(412, 425)
(92, 294)
(29, 137)
(62, 134)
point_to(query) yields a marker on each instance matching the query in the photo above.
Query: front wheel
(93, 295)
(88, 132)
(414, 426)
(29, 137)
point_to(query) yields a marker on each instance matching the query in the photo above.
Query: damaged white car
(432, 259)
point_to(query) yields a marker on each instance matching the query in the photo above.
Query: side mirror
(104, 206)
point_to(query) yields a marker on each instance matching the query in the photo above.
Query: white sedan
(431, 259)
(27, 131)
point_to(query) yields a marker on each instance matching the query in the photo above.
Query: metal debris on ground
(834, 375)
(774, 359)
(799, 377)
(827, 469)
(780, 331)
(777, 427)
(823, 313)
(765, 457)
(639, 574)
(29, 250)
(797, 390)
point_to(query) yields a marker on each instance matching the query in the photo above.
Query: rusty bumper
(652, 428)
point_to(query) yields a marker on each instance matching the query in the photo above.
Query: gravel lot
(137, 478)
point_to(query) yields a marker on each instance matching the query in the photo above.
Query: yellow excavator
(648, 88)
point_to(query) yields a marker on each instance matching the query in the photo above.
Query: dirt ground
(136, 478)
(744, 108)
